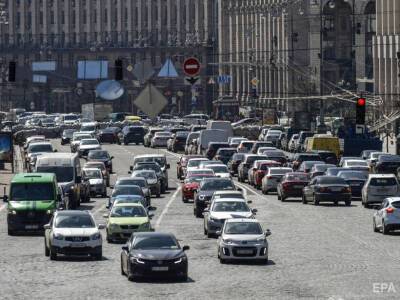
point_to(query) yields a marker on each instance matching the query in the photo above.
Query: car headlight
(12, 212)
(58, 236)
(227, 241)
(96, 236)
(180, 260)
(137, 260)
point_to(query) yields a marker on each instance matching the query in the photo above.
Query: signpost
(151, 101)
(191, 67)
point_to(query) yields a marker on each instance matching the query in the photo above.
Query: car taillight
(323, 189)
(390, 210)
(286, 185)
(347, 190)
(269, 177)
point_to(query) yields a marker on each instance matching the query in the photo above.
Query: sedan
(124, 190)
(73, 233)
(153, 181)
(306, 166)
(160, 139)
(292, 185)
(356, 180)
(220, 170)
(139, 181)
(359, 165)
(87, 145)
(243, 239)
(387, 217)
(191, 184)
(320, 169)
(272, 178)
(327, 189)
(154, 254)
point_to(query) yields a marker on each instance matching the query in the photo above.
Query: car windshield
(197, 178)
(383, 181)
(63, 174)
(265, 167)
(32, 192)
(228, 206)
(389, 158)
(226, 152)
(352, 175)
(229, 195)
(331, 180)
(68, 133)
(163, 134)
(74, 221)
(81, 137)
(297, 177)
(70, 118)
(309, 157)
(334, 171)
(396, 204)
(127, 190)
(145, 174)
(356, 163)
(219, 169)
(98, 155)
(93, 174)
(159, 160)
(238, 156)
(100, 166)
(200, 172)
(88, 128)
(153, 167)
(89, 142)
(194, 163)
(252, 159)
(279, 171)
(128, 200)
(155, 242)
(243, 228)
(40, 148)
(215, 185)
(128, 212)
(375, 155)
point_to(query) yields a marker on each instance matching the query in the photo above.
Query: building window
(371, 23)
(62, 17)
(84, 16)
(52, 17)
(106, 16)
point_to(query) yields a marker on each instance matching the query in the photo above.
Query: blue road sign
(224, 79)
(168, 70)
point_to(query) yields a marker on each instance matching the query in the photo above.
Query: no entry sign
(191, 66)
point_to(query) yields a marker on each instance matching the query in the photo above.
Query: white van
(222, 125)
(211, 135)
(67, 168)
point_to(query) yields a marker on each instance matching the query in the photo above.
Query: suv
(245, 165)
(132, 134)
(32, 200)
(213, 148)
(160, 159)
(149, 136)
(379, 187)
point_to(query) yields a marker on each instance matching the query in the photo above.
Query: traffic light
(360, 111)
(119, 72)
(12, 68)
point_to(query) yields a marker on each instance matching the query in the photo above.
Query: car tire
(316, 202)
(184, 200)
(265, 261)
(130, 277)
(336, 203)
(205, 230)
(210, 235)
(198, 214)
(183, 278)
(99, 256)
(104, 195)
(347, 203)
(283, 198)
(125, 143)
(374, 226)
(10, 232)
(279, 197)
(303, 200)
(122, 269)
(222, 261)
(46, 250)
(53, 254)
(385, 229)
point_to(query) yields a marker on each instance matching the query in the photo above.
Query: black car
(257, 145)
(67, 136)
(132, 134)
(300, 157)
(276, 155)
(154, 254)
(387, 164)
(205, 191)
(213, 148)
(108, 135)
(327, 156)
(103, 156)
(356, 180)
(225, 154)
(156, 168)
(234, 162)
(179, 141)
(320, 169)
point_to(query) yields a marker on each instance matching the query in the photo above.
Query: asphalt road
(323, 252)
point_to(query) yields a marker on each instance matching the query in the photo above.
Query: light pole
(321, 69)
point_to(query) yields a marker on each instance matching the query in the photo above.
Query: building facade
(67, 31)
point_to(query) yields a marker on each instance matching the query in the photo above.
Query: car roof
(241, 220)
(149, 155)
(154, 234)
(230, 200)
(382, 176)
(73, 212)
(33, 177)
(227, 192)
(127, 204)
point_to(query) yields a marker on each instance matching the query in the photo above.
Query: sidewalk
(5, 179)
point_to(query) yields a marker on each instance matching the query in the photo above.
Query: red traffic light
(361, 102)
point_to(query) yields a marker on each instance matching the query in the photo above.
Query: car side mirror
(55, 150)
(151, 216)
(268, 232)
(240, 189)
(131, 168)
(129, 172)
(105, 216)
(47, 226)
(185, 248)
(112, 157)
(218, 232)
(101, 226)
(5, 198)
(125, 248)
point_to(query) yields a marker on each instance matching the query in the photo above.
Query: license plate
(77, 245)
(160, 269)
(355, 184)
(336, 189)
(245, 251)
(30, 227)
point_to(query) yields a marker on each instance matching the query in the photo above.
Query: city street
(322, 252)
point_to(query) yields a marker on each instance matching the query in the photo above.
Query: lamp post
(321, 69)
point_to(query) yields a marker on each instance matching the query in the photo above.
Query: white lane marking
(246, 188)
(171, 153)
(165, 210)
(99, 209)
(3, 207)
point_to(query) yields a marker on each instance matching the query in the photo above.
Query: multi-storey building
(67, 31)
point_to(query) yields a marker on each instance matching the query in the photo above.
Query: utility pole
(321, 69)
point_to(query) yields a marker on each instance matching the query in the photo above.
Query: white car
(160, 139)
(292, 142)
(205, 164)
(387, 217)
(373, 157)
(223, 209)
(87, 145)
(220, 170)
(73, 232)
(76, 140)
(96, 181)
(271, 180)
(379, 187)
(228, 194)
(261, 150)
(356, 164)
(243, 239)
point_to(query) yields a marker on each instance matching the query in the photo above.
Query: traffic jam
(217, 168)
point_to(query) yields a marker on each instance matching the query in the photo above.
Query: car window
(217, 185)
(74, 221)
(128, 212)
(230, 206)
(383, 181)
(396, 204)
(154, 242)
(243, 228)
(32, 192)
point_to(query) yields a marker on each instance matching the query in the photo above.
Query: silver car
(379, 187)
(387, 217)
(160, 139)
(243, 239)
(271, 180)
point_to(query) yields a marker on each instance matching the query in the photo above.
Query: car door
(379, 213)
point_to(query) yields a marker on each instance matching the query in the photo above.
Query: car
(271, 179)
(34, 150)
(156, 168)
(260, 144)
(359, 165)
(306, 166)
(356, 180)
(205, 191)
(97, 184)
(103, 156)
(272, 136)
(76, 139)
(89, 127)
(203, 172)
(213, 148)
(132, 134)
(228, 194)
(179, 141)
(327, 189)
(73, 232)
(154, 254)
(277, 155)
(387, 217)
(225, 154)
(243, 239)
(67, 136)
(300, 157)
(235, 141)
(292, 142)
(99, 165)
(245, 146)
(328, 157)
(261, 150)
(222, 209)
(373, 157)
(207, 163)
(192, 183)
(182, 164)
(153, 181)
(387, 164)
(160, 139)
(251, 174)
(132, 199)
(245, 165)
(194, 163)
(139, 181)
(379, 187)
(160, 159)
(86, 145)
(319, 169)
(292, 185)
(108, 135)
(234, 163)
(366, 153)
(124, 190)
(262, 169)
(125, 219)
(190, 142)
(149, 135)
(300, 141)
(220, 170)
(334, 171)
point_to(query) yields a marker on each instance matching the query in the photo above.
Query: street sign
(211, 81)
(109, 90)
(191, 67)
(143, 70)
(151, 101)
(168, 70)
(224, 79)
(192, 81)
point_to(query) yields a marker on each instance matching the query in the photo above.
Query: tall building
(67, 31)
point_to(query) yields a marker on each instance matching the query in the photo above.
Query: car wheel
(46, 249)
(125, 143)
(53, 254)
(279, 197)
(374, 226)
(10, 232)
(283, 198)
(347, 203)
(198, 214)
(131, 277)
(316, 202)
(222, 261)
(303, 200)
(184, 200)
(108, 239)
(265, 261)
(183, 278)
(336, 203)
(205, 230)
(266, 192)
(385, 229)
(99, 256)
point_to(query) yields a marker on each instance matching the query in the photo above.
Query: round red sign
(191, 66)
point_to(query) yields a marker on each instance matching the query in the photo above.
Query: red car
(292, 185)
(191, 184)
(181, 164)
(262, 170)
